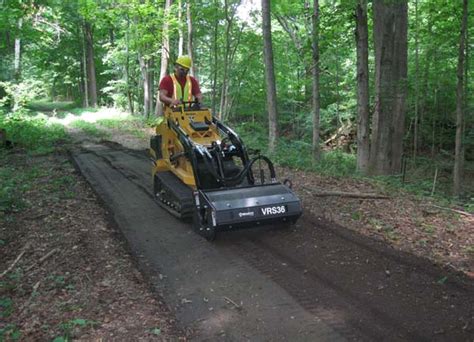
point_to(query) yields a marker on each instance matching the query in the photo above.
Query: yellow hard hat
(184, 61)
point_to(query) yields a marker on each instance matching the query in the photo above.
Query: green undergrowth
(417, 178)
(78, 111)
(90, 128)
(30, 135)
(15, 182)
(21, 174)
(49, 106)
(32, 132)
(297, 153)
(131, 125)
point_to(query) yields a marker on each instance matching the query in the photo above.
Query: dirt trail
(316, 281)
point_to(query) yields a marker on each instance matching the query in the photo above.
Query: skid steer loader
(202, 170)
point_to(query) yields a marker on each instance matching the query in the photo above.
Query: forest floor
(70, 273)
(407, 222)
(67, 273)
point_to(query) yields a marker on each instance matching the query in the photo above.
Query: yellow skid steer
(201, 169)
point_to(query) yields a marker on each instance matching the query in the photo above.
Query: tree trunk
(146, 67)
(127, 69)
(269, 76)
(215, 64)
(390, 33)
(362, 42)
(85, 78)
(466, 93)
(90, 64)
(336, 83)
(316, 152)
(17, 60)
(165, 55)
(226, 65)
(292, 30)
(417, 70)
(111, 36)
(459, 155)
(180, 29)
(190, 37)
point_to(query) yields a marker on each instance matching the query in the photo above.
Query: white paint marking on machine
(280, 209)
(250, 213)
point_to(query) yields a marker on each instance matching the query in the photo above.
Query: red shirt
(167, 84)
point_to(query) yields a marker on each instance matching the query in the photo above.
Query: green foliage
(419, 178)
(156, 331)
(18, 95)
(6, 306)
(253, 134)
(111, 123)
(82, 111)
(470, 205)
(68, 328)
(89, 128)
(14, 182)
(297, 153)
(130, 125)
(153, 121)
(48, 106)
(9, 194)
(34, 133)
(228, 44)
(10, 332)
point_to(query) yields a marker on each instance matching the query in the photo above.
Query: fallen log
(16, 260)
(346, 194)
(454, 210)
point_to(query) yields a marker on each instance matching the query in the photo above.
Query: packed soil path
(312, 282)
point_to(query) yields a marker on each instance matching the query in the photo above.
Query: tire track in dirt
(381, 293)
(359, 287)
(195, 276)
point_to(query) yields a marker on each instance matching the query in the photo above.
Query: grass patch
(418, 178)
(14, 183)
(82, 111)
(130, 125)
(297, 153)
(70, 327)
(6, 306)
(122, 123)
(48, 106)
(10, 332)
(89, 128)
(33, 133)
(20, 175)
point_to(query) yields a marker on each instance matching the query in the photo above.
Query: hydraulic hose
(240, 176)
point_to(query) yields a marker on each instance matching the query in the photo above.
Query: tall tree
(146, 66)
(215, 66)
(84, 75)
(362, 43)
(190, 37)
(269, 76)
(17, 61)
(126, 68)
(459, 155)
(90, 63)
(417, 87)
(390, 33)
(315, 77)
(165, 54)
(180, 29)
(229, 11)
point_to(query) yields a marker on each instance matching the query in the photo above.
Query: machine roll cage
(193, 151)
